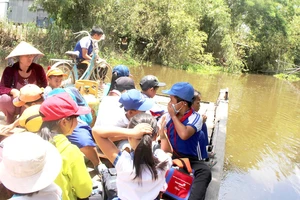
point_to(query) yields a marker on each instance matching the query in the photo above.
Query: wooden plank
(219, 142)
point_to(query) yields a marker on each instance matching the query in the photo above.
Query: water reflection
(263, 131)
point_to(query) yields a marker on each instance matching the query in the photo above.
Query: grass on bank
(288, 77)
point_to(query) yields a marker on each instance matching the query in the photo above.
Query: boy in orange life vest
(183, 126)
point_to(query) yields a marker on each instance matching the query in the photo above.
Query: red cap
(60, 106)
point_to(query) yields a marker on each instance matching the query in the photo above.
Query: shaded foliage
(240, 35)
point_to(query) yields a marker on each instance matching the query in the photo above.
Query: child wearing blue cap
(132, 102)
(117, 72)
(183, 126)
(140, 172)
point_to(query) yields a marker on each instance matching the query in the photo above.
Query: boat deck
(219, 141)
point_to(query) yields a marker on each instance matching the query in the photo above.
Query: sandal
(211, 163)
(211, 154)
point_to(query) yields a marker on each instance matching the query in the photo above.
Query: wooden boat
(218, 139)
(217, 114)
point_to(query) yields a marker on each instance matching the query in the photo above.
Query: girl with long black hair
(140, 173)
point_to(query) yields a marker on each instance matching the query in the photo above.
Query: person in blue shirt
(206, 155)
(183, 127)
(85, 47)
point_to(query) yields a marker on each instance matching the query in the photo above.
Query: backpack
(179, 179)
(109, 181)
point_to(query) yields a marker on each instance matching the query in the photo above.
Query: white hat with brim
(29, 163)
(23, 49)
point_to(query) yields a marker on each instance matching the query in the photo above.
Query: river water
(263, 131)
(262, 159)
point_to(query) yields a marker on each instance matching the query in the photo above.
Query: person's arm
(7, 82)
(85, 54)
(102, 135)
(184, 132)
(7, 128)
(164, 140)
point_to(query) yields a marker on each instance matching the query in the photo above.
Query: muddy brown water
(262, 159)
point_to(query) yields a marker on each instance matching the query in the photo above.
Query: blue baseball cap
(183, 90)
(134, 100)
(121, 70)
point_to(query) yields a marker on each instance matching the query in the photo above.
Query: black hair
(49, 129)
(146, 87)
(188, 103)
(196, 93)
(17, 66)
(114, 77)
(143, 155)
(96, 30)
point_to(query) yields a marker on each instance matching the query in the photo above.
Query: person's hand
(7, 128)
(142, 129)
(102, 37)
(171, 110)
(204, 118)
(101, 168)
(162, 127)
(15, 92)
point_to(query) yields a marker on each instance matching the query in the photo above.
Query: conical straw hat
(22, 49)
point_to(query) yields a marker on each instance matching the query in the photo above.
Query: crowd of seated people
(129, 125)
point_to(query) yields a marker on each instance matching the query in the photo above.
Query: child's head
(150, 84)
(59, 113)
(55, 77)
(146, 139)
(29, 163)
(143, 155)
(30, 94)
(124, 83)
(117, 72)
(196, 101)
(134, 102)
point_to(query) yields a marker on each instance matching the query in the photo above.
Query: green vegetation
(290, 78)
(195, 35)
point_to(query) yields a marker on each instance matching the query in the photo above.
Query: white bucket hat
(23, 49)
(29, 163)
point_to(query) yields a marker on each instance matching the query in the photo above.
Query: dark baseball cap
(124, 83)
(150, 81)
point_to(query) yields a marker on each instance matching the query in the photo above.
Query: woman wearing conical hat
(21, 73)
